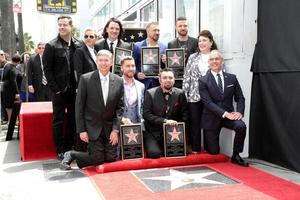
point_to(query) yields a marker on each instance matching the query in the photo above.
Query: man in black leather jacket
(59, 71)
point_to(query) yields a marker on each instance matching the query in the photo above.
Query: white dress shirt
(92, 52)
(216, 77)
(104, 80)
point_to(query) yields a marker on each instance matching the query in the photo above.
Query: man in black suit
(99, 110)
(85, 57)
(84, 62)
(163, 104)
(112, 34)
(218, 90)
(59, 71)
(37, 82)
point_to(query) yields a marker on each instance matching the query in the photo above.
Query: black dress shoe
(64, 166)
(66, 162)
(60, 156)
(236, 159)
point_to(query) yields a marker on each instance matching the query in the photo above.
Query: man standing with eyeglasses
(84, 62)
(37, 82)
(59, 70)
(85, 57)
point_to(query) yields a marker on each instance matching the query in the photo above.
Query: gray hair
(104, 52)
(216, 51)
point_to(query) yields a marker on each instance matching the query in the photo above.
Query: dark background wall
(275, 99)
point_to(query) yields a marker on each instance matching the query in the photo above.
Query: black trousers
(43, 94)
(154, 145)
(212, 136)
(64, 140)
(195, 111)
(99, 151)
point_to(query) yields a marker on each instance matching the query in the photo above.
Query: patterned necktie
(220, 85)
(104, 89)
(44, 80)
(111, 48)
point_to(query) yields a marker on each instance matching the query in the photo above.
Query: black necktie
(111, 48)
(220, 85)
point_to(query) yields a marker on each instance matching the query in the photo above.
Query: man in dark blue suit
(151, 41)
(218, 90)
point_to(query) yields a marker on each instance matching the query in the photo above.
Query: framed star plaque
(118, 55)
(175, 60)
(150, 61)
(131, 141)
(174, 140)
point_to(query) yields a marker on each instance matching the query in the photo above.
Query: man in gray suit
(99, 109)
(133, 93)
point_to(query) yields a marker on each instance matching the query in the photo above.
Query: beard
(182, 33)
(167, 86)
(129, 74)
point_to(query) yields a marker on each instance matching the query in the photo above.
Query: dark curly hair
(105, 34)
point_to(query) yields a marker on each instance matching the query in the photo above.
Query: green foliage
(29, 44)
(75, 32)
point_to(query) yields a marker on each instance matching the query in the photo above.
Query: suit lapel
(214, 83)
(96, 77)
(138, 91)
(225, 82)
(86, 49)
(111, 88)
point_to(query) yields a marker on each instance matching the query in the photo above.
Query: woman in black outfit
(10, 86)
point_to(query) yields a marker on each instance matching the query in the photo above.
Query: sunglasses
(41, 47)
(89, 36)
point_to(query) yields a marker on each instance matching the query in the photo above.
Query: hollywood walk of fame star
(121, 56)
(150, 57)
(141, 34)
(175, 134)
(179, 179)
(175, 59)
(131, 136)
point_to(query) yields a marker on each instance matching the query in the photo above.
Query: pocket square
(230, 85)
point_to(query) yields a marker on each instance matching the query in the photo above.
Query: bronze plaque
(174, 140)
(132, 141)
(150, 61)
(175, 60)
(119, 54)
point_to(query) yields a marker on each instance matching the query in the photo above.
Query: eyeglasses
(89, 36)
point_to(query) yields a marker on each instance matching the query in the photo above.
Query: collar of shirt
(102, 76)
(127, 83)
(92, 52)
(215, 74)
(216, 77)
(148, 44)
(167, 91)
(114, 45)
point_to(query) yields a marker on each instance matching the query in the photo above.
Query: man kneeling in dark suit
(218, 90)
(99, 109)
(163, 104)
